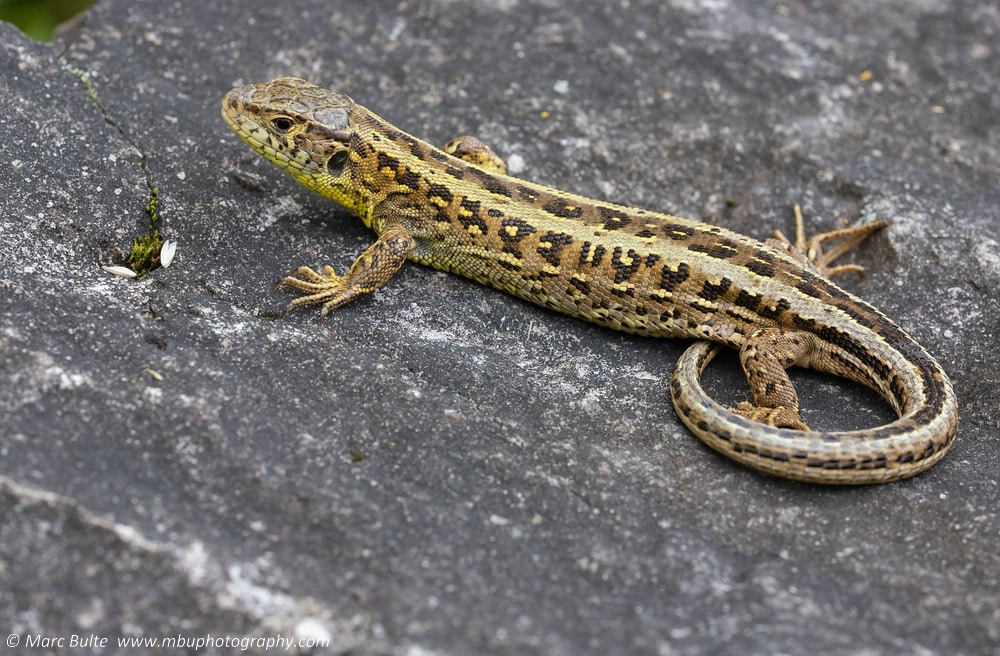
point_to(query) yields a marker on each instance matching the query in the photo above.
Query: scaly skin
(625, 268)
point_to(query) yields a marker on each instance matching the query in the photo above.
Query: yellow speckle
(589, 257)
(865, 76)
(545, 113)
(509, 258)
(511, 230)
(473, 229)
(937, 109)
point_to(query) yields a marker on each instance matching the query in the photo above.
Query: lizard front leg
(380, 261)
(371, 270)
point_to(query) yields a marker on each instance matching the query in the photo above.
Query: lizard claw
(327, 288)
(781, 417)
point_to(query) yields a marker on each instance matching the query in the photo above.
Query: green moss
(144, 256)
(145, 253)
(39, 18)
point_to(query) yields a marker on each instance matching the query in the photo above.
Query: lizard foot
(781, 417)
(327, 288)
(812, 248)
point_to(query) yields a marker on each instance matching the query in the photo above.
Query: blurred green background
(38, 18)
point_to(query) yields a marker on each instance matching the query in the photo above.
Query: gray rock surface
(441, 469)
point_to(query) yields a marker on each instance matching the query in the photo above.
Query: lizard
(629, 269)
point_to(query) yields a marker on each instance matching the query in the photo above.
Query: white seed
(121, 271)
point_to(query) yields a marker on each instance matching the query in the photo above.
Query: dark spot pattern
(762, 263)
(581, 285)
(623, 271)
(409, 178)
(747, 300)
(808, 289)
(599, 253)
(559, 240)
(614, 219)
(491, 183)
(712, 291)
(560, 208)
(671, 278)
(419, 150)
(473, 218)
(763, 269)
(676, 231)
(526, 193)
(521, 230)
(400, 137)
(440, 191)
(850, 310)
(722, 250)
(388, 162)
(774, 313)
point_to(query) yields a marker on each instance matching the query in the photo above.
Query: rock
(440, 468)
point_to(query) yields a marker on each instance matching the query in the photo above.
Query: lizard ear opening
(335, 165)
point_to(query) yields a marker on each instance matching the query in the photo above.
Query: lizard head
(300, 127)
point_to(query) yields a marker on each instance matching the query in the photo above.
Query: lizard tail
(914, 442)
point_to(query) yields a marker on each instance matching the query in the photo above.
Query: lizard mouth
(293, 134)
(238, 109)
(234, 107)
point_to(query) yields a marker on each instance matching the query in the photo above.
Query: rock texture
(441, 469)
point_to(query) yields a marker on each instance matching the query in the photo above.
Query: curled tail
(916, 441)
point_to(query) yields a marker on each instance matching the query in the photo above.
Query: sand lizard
(630, 269)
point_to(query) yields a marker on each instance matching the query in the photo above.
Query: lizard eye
(335, 165)
(282, 124)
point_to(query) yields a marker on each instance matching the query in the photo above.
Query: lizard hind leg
(768, 352)
(764, 356)
(811, 250)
